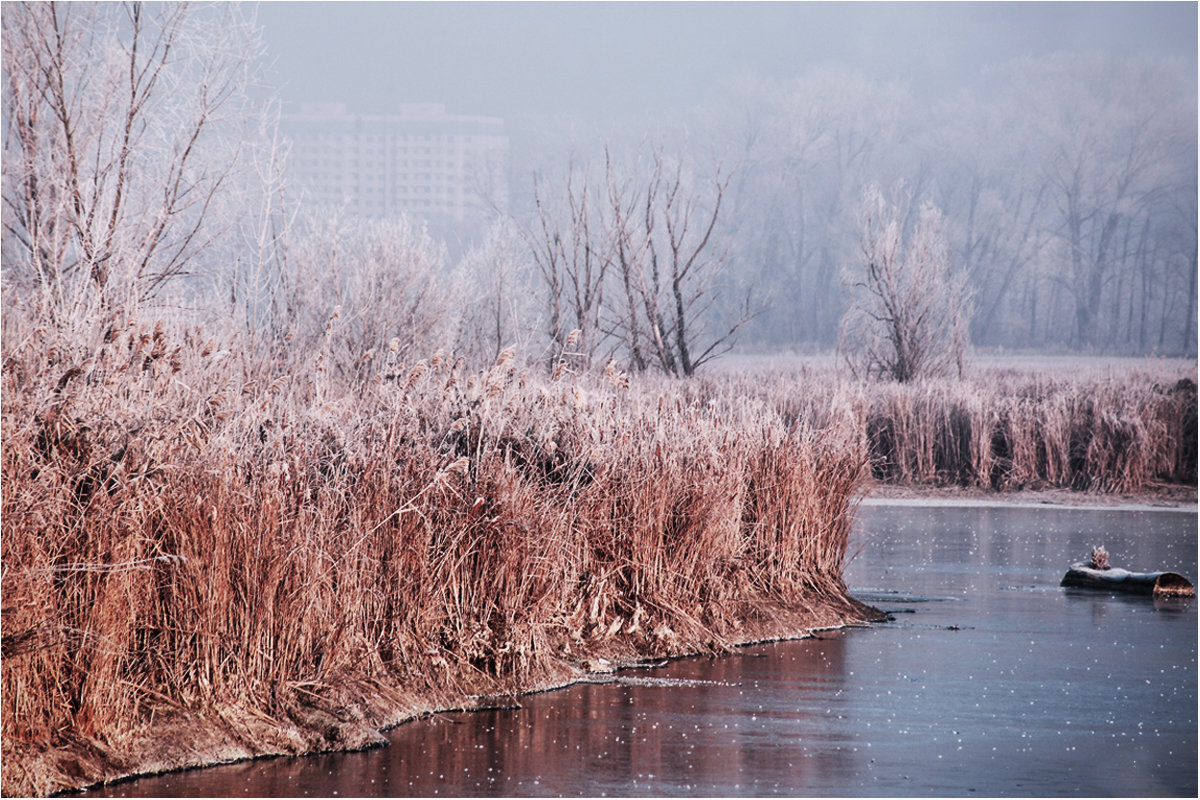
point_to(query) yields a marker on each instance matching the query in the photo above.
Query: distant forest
(1065, 189)
(1067, 183)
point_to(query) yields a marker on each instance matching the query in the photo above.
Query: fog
(615, 60)
(974, 107)
(657, 183)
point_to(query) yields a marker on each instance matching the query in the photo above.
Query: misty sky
(613, 60)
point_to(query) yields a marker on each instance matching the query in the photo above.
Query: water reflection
(1099, 602)
(999, 683)
(744, 721)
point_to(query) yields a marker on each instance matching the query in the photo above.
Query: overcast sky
(611, 60)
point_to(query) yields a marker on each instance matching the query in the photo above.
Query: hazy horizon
(605, 60)
(976, 106)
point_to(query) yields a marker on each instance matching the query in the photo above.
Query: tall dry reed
(1099, 432)
(190, 527)
(1117, 428)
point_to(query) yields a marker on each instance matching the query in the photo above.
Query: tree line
(1052, 205)
(1067, 185)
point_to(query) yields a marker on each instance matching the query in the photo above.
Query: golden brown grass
(251, 548)
(1105, 432)
(191, 529)
(1119, 428)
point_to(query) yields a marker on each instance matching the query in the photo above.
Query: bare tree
(810, 144)
(908, 311)
(663, 234)
(569, 251)
(1109, 144)
(994, 199)
(116, 145)
(1059, 177)
(1108, 163)
(637, 266)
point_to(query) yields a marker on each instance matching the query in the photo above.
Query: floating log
(1115, 579)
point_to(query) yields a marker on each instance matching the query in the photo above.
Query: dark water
(991, 680)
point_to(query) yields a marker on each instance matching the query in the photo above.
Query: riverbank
(1161, 496)
(353, 717)
(212, 554)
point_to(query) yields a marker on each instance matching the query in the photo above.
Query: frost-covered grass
(187, 525)
(1107, 425)
(191, 524)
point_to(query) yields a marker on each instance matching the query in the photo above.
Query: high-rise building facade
(419, 161)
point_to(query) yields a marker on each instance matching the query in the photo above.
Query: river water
(990, 680)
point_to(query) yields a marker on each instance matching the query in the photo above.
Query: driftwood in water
(1122, 580)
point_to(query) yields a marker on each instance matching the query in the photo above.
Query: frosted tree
(568, 246)
(1108, 164)
(365, 293)
(1109, 145)
(805, 148)
(908, 310)
(988, 185)
(635, 265)
(497, 275)
(119, 140)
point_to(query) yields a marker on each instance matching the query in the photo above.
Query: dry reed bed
(1123, 430)
(1102, 433)
(208, 556)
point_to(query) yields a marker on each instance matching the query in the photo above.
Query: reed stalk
(193, 530)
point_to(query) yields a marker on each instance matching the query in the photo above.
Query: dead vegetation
(212, 553)
(271, 561)
(218, 545)
(1120, 433)
(1127, 428)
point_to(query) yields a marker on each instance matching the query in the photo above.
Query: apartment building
(438, 167)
